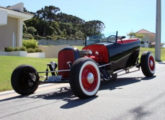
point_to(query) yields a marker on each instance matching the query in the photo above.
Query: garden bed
(14, 53)
(23, 54)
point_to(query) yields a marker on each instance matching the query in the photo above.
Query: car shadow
(65, 94)
(148, 78)
(11, 98)
(112, 85)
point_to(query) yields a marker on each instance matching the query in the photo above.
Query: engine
(66, 57)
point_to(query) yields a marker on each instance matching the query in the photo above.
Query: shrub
(38, 50)
(9, 49)
(49, 38)
(31, 30)
(30, 46)
(22, 49)
(38, 37)
(27, 36)
(16, 49)
(30, 50)
(30, 43)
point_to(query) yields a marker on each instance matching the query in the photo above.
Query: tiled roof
(144, 31)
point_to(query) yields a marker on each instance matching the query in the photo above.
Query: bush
(9, 49)
(49, 38)
(22, 49)
(38, 37)
(38, 50)
(30, 50)
(16, 49)
(31, 30)
(28, 36)
(30, 46)
(30, 43)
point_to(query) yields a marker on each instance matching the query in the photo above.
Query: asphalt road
(131, 97)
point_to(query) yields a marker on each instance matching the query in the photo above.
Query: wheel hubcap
(151, 63)
(90, 78)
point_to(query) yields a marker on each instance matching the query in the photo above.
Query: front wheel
(24, 80)
(148, 64)
(84, 78)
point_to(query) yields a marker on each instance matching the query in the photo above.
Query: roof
(16, 14)
(144, 31)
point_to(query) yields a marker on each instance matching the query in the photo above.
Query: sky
(118, 15)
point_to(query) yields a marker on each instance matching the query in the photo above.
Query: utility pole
(158, 31)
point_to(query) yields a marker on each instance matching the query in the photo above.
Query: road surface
(131, 97)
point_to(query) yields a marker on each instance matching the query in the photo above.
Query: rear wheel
(24, 80)
(85, 78)
(148, 64)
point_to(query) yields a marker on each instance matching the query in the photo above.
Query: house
(148, 38)
(11, 25)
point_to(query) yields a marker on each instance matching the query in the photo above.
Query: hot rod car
(99, 60)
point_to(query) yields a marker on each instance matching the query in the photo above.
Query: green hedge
(30, 43)
(30, 46)
(10, 49)
(32, 50)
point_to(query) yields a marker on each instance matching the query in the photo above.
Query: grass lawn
(153, 51)
(9, 63)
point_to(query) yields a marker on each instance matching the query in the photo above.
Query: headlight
(97, 53)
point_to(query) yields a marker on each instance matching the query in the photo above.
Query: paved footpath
(131, 97)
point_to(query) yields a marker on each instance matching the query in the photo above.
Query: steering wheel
(121, 38)
(111, 38)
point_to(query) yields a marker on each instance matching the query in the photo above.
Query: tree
(132, 34)
(79, 35)
(31, 30)
(49, 21)
(93, 27)
(63, 17)
(24, 28)
(135, 35)
(48, 13)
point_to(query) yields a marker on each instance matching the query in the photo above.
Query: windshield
(100, 38)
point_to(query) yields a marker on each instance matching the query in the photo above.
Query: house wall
(52, 51)
(8, 32)
(148, 37)
(3, 18)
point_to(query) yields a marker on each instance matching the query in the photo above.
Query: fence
(61, 42)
